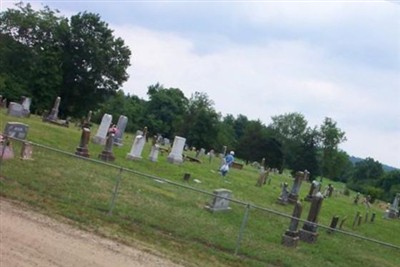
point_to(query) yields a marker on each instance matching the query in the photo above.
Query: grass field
(168, 214)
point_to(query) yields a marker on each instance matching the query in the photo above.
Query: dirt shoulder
(29, 239)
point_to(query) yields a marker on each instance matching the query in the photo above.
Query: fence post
(242, 226)
(115, 193)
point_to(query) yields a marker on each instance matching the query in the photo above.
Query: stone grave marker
(26, 104)
(26, 151)
(82, 150)
(107, 153)
(314, 189)
(53, 116)
(121, 126)
(332, 226)
(16, 130)
(291, 236)
(393, 211)
(220, 201)
(283, 198)
(309, 232)
(294, 193)
(101, 135)
(138, 145)
(15, 110)
(155, 148)
(175, 156)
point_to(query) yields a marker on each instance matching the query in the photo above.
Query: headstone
(283, 198)
(373, 217)
(107, 154)
(6, 151)
(53, 116)
(394, 208)
(82, 150)
(15, 110)
(262, 164)
(155, 148)
(220, 201)
(137, 146)
(86, 121)
(101, 135)
(291, 236)
(201, 153)
(342, 222)
(211, 155)
(26, 104)
(26, 151)
(121, 125)
(177, 149)
(314, 189)
(306, 176)
(263, 176)
(294, 193)
(309, 232)
(166, 142)
(16, 130)
(356, 218)
(333, 225)
(186, 177)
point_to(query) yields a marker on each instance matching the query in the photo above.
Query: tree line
(44, 55)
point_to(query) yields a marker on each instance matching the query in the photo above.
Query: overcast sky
(337, 59)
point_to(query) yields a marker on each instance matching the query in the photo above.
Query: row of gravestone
(19, 131)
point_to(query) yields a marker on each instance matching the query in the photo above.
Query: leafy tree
(251, 146)
(165, 110)
(94, 63)
(79, 60)
(200, 125)
(226, 133)
(331, 136)
(390, 183)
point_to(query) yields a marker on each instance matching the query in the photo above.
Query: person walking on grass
(228, 160)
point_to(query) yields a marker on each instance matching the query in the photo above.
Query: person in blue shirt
(228, 163)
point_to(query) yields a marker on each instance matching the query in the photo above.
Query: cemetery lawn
(167, 213)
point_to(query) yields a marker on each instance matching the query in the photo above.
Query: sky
(336, 59)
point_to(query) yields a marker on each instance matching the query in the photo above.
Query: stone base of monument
(211, 208)
(176, 159)
(393, 214)
(290, 239)
(99, 140)
(133, 157)
(282, 201)
(292, 199)
(308, 236)
(106, 156)
(83, 152)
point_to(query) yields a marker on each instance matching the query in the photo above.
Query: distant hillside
(385, 167)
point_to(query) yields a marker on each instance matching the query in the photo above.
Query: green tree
(200, 125)
(79, 60)
(165, 110)
(331, 136)
(94, 64)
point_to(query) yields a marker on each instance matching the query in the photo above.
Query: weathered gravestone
(332, 226)
(155, 148)
(26, 104)
(309, 232)
(393, 211)
(220, 201)
(16, 130)
(283, 198)
(26, 151)
(263, 176)
(53, 116)
(15, 110)
(82, 150)
(107, 154)
(138, 145)
(291, 236)
(294, 193)
(101, 135)
(314, 189)
(177, 149)
(121, 125)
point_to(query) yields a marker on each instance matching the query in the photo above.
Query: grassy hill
(156, 208)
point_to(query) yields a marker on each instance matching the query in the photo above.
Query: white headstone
(137, 147)
(101, 136)
(121, 125)
(220, 202)
(177, 149)
(154, 153)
